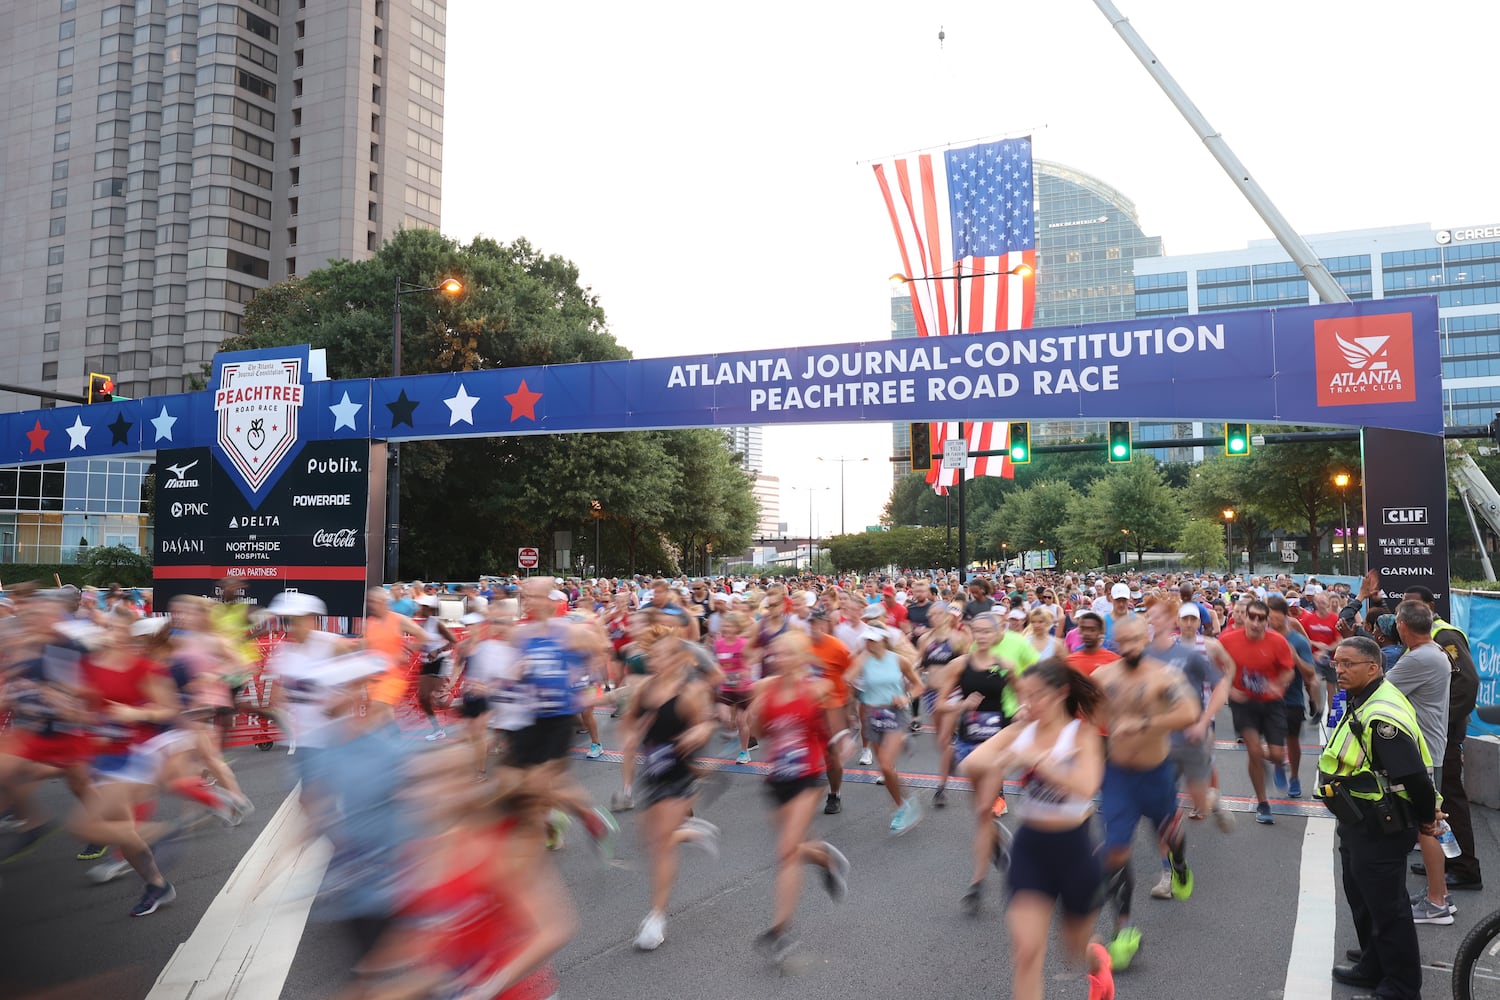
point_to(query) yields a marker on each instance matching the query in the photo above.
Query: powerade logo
(1365, 359)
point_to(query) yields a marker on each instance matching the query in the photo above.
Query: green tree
(1202, 544)
(913, 503)
(468, 504)
(1029, 518)
(1131, 509)
(102, 565)
(1294, 485)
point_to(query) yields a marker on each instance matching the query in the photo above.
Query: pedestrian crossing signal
(101, 388)
(1119, 440)
(1020, 442)
(1236, 439)
(921, 447)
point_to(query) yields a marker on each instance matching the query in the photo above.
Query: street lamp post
(809, 490)
(449, 287)
(1229, 537)
(842, 462)
(1341, 480)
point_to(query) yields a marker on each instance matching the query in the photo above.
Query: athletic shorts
(785, 791)
(388, 687)
(546, 739)
(1129, 794)
(1194, 761)
(1267, 718)
(734, 699)
(434, 666)
(678, 783)
(55, 750)
(962, 749)
(474, 705)
(1296, 715)
(144, 761)
(883, 722)
(1061, 865)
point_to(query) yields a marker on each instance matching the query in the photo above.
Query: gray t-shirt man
(1422, 674)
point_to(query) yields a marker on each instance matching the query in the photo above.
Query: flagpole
(996, 137)
(963, 430)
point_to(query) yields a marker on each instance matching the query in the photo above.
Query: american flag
(968, 212)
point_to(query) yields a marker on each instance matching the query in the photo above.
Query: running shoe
(108, 871)
(244, 807)
(915, 725)
(557, 830)
(652, 933)
(1425, 911)
(754, 743)
(1163, 887)
(776, 947)
(999, 807)
(596, 750)
(833, 806)
(972, 898)
(1417, 897)
(743, 758)
(1263, 814)
(155, 897)
(836, 875)
(1278, 775)
(622, 801)
(435, 735)
(866, 758)
(1122, 949)
(908, 816)
(604, 831)
(879, 779)
(702, 834)
(1000, 852)
(1222, 819)
(26, 842)
(1102, 976)
(1294, 789)
(92, 852)
(1182, 883)
(940, 798)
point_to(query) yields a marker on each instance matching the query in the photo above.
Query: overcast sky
(704, 165)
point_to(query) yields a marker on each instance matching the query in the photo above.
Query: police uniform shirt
(1397, 754)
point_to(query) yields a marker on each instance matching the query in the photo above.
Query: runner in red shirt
(1322, 628)
(1263, 667)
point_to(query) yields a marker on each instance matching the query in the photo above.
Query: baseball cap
(873, 612)
(294, 604)
(1118, 591)
(1189, 611)
(428, 601)
(1017, 614)
(888, 589)
(878, 632)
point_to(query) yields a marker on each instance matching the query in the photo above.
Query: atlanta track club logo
(257, 405)
(1365, 359)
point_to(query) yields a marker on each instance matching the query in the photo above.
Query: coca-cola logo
(342, 539)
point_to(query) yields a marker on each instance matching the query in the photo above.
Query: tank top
(1042, 799)
(881, 681)
(976, 725)
(939, 653)
(731, 656)
(554, 674)
(660, 759)
(796, 731)
(385, 637)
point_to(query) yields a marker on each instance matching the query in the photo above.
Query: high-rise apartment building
(163, 160)
(747, 443)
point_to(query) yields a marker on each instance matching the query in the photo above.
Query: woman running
(978, 699)
(435, 661)
(1054, 858)
(1040, 633)
(673, 712)
(887, 681)
(730, 649)
(789, 711)
(943, 642)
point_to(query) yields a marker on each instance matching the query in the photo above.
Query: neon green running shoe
(1123, 948)
(1182, 883)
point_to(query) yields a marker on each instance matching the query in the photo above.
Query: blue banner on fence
(1479, 616)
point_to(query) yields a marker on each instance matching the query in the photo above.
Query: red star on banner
(523, 403)
(38, 438)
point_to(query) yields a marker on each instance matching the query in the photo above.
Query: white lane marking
(1307, 968)
(244, 945)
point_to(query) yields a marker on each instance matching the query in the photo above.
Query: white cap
(873, 613)
(880, 632)
(1017, 613)
(1118, 591)
(557, 595)
(1189, 610)
(148, 626)
(294, 604)
(429, 601)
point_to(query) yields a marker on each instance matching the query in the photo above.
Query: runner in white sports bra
(1053, 858)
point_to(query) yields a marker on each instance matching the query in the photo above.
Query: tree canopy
(665, 498)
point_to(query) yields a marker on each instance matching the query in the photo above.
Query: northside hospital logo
(1363, 360)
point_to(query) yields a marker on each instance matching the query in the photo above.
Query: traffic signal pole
(22, 390)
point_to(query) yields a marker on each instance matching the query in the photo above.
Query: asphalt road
(900, 932)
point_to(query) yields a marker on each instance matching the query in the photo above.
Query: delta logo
(1365, 359)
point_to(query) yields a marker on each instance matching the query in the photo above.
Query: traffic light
(1119, 440)
(921, 447)
(101, 388)
(1020, 442)
(1236, 439)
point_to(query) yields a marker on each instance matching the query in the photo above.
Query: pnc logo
(1364, 360)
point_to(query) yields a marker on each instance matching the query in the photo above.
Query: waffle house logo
(1365, 359)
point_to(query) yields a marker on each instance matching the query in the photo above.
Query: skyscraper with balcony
(164, 160)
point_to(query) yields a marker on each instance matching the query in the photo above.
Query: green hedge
(78, 575)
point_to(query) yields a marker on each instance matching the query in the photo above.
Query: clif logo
(1365, 359)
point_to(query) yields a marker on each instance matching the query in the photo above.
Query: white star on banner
(78, 434)
(163, 424)
(344, 412)
(461, 407)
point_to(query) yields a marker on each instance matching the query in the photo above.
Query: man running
(1264, 666)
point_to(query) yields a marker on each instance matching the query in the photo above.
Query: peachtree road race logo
(1365, 359)
(257, 404)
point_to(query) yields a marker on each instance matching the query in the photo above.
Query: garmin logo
(344, 538)
(332, 466)
(322, 500)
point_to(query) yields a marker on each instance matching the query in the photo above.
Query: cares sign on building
(257, 400)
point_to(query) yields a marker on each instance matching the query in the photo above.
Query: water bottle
(1447, 841)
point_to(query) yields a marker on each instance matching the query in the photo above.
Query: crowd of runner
(1050, 696)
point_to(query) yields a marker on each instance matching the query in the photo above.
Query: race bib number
(980, 726)
(659, 761)
(884, 720)
(1256, 683)
(734, 681)
(789, 763)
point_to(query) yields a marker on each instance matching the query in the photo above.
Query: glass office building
(54, 513)
(1460, 265)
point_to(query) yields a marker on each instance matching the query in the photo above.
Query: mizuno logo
(181, 470)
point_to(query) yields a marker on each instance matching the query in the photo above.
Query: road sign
(955, 453)
(527, 558)
(1288, 551)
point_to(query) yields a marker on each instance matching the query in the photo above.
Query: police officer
(1374, 776)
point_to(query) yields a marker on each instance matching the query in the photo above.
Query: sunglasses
(1254, 616)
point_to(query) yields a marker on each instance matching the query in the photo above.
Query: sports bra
(1042, 799)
